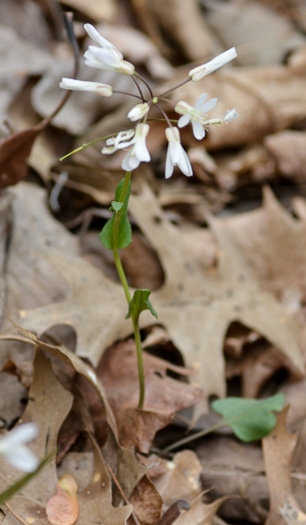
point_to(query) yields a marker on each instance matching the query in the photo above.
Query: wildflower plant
(116, 234)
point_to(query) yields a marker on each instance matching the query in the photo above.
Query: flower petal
(209, 105)
(200, 101)
(200, 72)
(184, 120)
(83, 85)
(198, 130)
(99, 39)
(23, 459)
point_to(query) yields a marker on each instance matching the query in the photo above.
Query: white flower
(176, 155)
(229, 115)
(197, 114)
(205, 69)
(12, 447)
(138, 111)
(82, 85)
(106, 56)
(120, 141)
(138, 152)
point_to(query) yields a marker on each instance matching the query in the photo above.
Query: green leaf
(116, 206)
(8, 493)
(125, 230)
(250, 419)
(139, 303)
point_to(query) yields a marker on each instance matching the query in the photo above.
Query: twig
(121, 492)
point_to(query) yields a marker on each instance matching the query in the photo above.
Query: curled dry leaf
(146, 501)
(63, 507)
(278, 448)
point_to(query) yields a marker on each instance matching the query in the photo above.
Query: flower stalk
(116, 233)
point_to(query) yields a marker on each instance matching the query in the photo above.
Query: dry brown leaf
(182, 480)
(277, 239)
(63, 507)
(204, 302)
(12, 394)
(278, 448)
(129, 470)
(193, 300)
(21, 57)
(164, 396)
(194, 39)
(137, 428)
(146, 501)
(235, 468)
(14, 152)
(95, 501)
(256, 367)
(94, 9)
(200, 513)
(288, 150)
(261, 35)
(49, 404)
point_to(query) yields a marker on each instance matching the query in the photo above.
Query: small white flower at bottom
(120, 141)
(196, 114)
(136, 140)
(12, 447)
(176, 155)
(139, 151)
(85, 85)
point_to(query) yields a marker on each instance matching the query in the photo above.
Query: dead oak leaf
(95, 308)
(197, 305)
(278, 448)
(48, 406)
(95, 501)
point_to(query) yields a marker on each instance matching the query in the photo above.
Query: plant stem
(118, 264)
(139, 362)
(125, 285)
(194, 436)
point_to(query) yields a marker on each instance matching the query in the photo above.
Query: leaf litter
(229, 291)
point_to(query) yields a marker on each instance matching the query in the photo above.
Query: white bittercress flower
(12, 447)
(176, 155)
(230, 114)
(120, 141)
(138, 149)
(106, 56)
(138, 111)
(197, 115)
(83, 85)
(200, 72)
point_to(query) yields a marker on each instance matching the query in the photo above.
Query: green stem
(125, 285)
(139, 363)
(194, 436)
(117, 219)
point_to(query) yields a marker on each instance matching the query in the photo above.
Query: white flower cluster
(107, 57)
